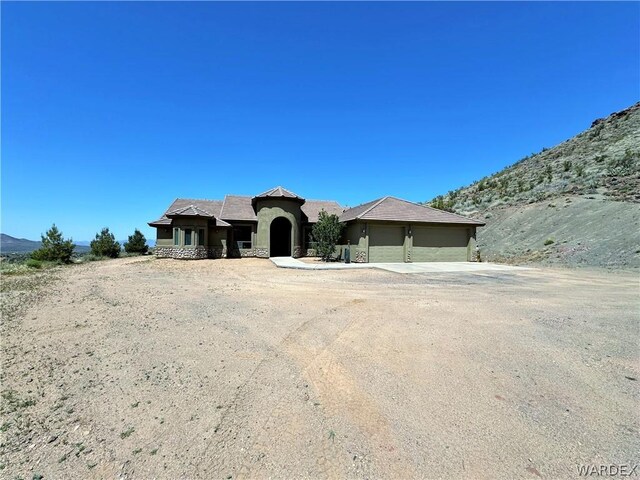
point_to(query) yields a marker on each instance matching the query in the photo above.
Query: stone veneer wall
(297, 252)
(360, 256)
(261, 252)
(190, 253)
(241, 252)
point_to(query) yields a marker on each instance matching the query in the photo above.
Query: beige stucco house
(278, 223)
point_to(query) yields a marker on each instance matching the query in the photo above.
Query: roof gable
(189, 211)
(191, 207)
(278, 192)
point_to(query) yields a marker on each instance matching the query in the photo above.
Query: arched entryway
(280, 238)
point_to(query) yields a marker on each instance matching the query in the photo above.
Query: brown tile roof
(191, 207)
(189, 211)
(239, 208)
(355, 212)
(278, 192)
(398, 210)
(311, 208)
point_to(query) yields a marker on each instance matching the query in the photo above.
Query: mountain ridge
(532, 207)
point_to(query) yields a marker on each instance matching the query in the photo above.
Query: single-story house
(278, 223)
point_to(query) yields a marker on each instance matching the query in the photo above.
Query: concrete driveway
(427, 267)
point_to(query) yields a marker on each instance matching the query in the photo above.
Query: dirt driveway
(143, 368)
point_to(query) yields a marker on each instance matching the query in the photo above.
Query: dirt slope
(591, 181)
(570, 230)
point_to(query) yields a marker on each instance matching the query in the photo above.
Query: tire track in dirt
(270, 384)
(248, 440)
(342, 397)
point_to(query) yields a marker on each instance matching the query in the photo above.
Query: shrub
(105, 244)
(440, 203)
(54, 247)
(579, 170)
(33, 263)
(136, 243)
(326, 233)
(624, 165)
(549, 241)
(549, 172)
(567, 165)
(90, 257)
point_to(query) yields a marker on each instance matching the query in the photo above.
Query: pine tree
(54, 247)
(105, 244)
(136, 243)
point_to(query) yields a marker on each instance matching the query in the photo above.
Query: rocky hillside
(577, 203)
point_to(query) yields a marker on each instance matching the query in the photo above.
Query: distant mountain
(574, 204)
(9, 244)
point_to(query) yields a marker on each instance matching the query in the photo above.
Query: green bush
(442, 204)
(54, 247)
(90, 257)
(567, 165)
(105, 244)
(579, 170)
(549, 241)
(33, 263)
(136, 243)
(326, 233)
(624, 165)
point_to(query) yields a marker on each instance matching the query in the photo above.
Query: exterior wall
(422, 242)
(217, 241)
(472, 250)
(267, 211)
(232, 250)
(164, 236)
(356, 234)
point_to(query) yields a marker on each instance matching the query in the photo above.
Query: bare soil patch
(144, 368)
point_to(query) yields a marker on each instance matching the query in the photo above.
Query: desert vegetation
(605, 159)
(57, 251)
(583, 193)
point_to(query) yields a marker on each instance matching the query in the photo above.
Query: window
(187, 236)
(176, 236)
(242, 236)
(201, 237)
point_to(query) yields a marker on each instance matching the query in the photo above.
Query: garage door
(439, 244)
(386, 244)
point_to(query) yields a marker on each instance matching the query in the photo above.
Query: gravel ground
(143, 368)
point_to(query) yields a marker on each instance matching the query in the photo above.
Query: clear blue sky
(112, 110)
